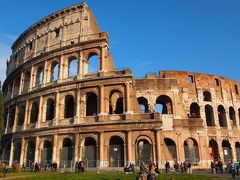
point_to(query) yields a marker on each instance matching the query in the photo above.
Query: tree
(1, 120)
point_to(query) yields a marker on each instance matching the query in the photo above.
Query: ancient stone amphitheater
(57, 110)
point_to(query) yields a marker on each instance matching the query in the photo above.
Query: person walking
(167, 166)
(189, 167)
(5, 169)
(233, 170)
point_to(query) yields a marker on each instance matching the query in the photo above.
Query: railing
(19, 128)
(47, 123)
(66, 121)
(67, 164)
(32, 125)
(9, 130)
(116, 163)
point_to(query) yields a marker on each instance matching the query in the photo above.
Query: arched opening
(34, 112)
(209, 115)
(237, 147)
(54, 71)
(21, 115)
(207, 96)
(10, 88)
(93, 63)
(164, 105)
(144, 151)
(222, 116)
(7, 149)
(26, 80)
(17, 85)
(17, 152)
(170, 149)
(50, 113)
(69, 107)
(143, 103)
(213, 150)
(72, 67)
(191, 150)
(227, 151)
(232, 116)
(6, 114)
(91, 104)
(194, 110)
(11, 117)
(116, 102)
(30, 153)
(39, 76)
(46, 153)
(67, 153)
(116, 152)
(90, 152)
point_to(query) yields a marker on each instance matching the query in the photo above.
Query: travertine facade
(55, 110)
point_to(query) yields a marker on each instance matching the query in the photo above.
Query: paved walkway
(14, 177)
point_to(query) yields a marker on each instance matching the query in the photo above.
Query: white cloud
(5, 52)
(6, 40)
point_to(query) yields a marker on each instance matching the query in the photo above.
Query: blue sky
(147, 36)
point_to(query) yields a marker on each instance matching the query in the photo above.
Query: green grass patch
(105, 176)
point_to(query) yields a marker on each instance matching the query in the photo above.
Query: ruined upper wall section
(205, 81)
(68, 26)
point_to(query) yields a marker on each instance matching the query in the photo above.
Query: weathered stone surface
(172, 116)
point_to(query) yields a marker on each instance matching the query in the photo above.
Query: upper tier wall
(68, 26)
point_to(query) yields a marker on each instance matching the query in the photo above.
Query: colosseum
(58, 110)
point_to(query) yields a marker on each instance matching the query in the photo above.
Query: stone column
(26, 115)
(36, 158)
(35, 46)
(158, 145)
(202, 153)
(102, 59)
(48, 39)
(215, 114)
(8, 112)
(57, 109)
(20, 84)
(129, 147)
(76, 118)
(31, 79)
(79, 76)
(13, 86)
(40, 114)
(11, 154)
(76, 155)
(220, 149)
(234, 155)
(101, 149)
(102, 102)
(84, 66)
(22, 157)
(55, 145)
(16, 118)
(179, 146)
(45, 74)
(61, 68)
(63, 38)
(127, 98)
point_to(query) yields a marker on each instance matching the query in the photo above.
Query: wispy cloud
(5, 52)
(6, 41)
(145, 63)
